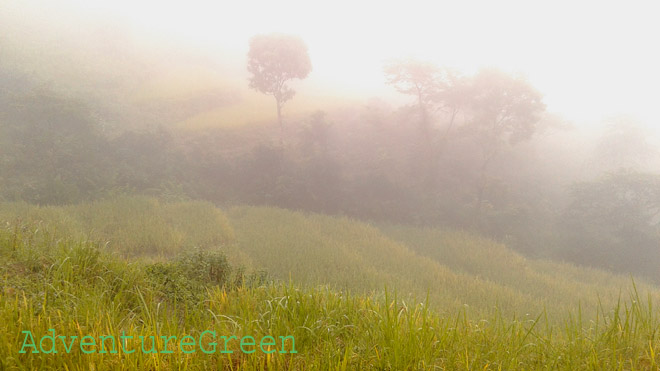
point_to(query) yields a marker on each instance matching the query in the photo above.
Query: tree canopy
(614, 221)
(273, 61)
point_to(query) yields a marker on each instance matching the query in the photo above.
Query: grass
(138, 226)
(354, 296)
(455, 268)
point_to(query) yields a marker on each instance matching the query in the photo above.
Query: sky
(590, 59)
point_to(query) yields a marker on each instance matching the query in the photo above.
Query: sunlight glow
(590, 59)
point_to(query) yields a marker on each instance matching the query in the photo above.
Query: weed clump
(185, 278)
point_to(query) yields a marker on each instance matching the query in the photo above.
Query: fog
(571, 52)
(539, 127)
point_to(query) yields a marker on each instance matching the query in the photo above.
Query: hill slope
(68, 287)
(455, 269)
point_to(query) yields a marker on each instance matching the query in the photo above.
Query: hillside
(457, 270)
(57, 282)
(145, 82)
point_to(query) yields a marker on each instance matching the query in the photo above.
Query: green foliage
(52, 147)
(184, 239)
(453, 268)
(136, 225)
(613, 222)
(184, 279)
(77, 288)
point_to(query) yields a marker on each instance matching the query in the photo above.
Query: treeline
(471, 152)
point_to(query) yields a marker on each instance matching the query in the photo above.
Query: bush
(191, 273)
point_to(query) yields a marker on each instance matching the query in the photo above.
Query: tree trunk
(481, 186)
(279, 120)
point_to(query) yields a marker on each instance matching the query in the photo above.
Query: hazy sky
(590, 59)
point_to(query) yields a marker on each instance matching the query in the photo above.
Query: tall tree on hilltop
(273, 61)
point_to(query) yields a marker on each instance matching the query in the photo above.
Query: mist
(143, 75)
(480, 143)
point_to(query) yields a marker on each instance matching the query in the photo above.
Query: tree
(419, 79)
(614, 221)
(52, 149)
(624, 144)
(434, 88)
(505, 111)
(274, 60)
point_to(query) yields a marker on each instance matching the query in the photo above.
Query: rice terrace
(329, 186)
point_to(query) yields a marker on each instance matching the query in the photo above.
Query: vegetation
(274, 60)
(79, 287)
(144, 192)
(613, 222)
(480, 161)
(453, 268)
(131, 225)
